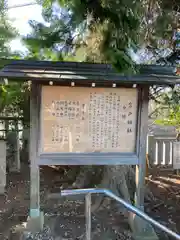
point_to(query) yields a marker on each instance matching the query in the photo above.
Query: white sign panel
(82, 120)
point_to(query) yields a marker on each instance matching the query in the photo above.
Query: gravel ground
(64, 221)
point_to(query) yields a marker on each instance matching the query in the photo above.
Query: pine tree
(7, 32)
(96, 31)
(107, 31)
(161, 23)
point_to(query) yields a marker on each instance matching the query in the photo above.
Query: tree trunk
(118, 179)
(25, 145)
(178, 137)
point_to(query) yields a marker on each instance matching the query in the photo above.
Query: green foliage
(161, 21)
(8, 94)
(10, 97)
(171, 102)
(173, 118)
(14, 100)
(103, 31)
(7, 32)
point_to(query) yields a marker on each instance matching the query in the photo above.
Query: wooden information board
(82, 120)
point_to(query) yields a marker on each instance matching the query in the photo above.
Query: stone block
(142, 230)
(35, 224)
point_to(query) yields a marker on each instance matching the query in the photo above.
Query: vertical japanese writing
(106, 118)
(93, 119)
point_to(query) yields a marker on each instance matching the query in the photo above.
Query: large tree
(98, 31)
(107, 31)
(161, 24)
(95, 31)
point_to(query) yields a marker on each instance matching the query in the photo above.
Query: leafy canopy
(7, 32)
(96, 31)
(11, 96)
(106, 31)
(169, 109)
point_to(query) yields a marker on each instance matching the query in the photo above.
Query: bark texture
(119, 179)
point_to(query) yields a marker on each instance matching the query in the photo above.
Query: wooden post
(17, 163)
(88, 216)
(6, 128)
(34, 168)
(151, 150)
(26, 141)
(141, 229)
(35, 222)
(142, 138)
(2, 166)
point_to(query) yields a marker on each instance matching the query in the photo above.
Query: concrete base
(141, 237)
(143, 230)
(35, 224)
(2, 190)
(148, 234)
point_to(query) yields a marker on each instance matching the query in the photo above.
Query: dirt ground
(65, 219)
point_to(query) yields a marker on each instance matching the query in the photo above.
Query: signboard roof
(63, 73)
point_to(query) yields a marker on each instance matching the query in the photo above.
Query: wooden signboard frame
(74, 74)
(93, 156)
(37, 158)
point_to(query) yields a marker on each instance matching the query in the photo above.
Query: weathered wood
(34, 168)
(141, 147)
(25, 147)
(17, 164)
(176, 155)
(6, 128)
(85, 73)
(2, 166)
(36, 220)
(3, 118)
(141, 229)
(88, 216)
(89, 159)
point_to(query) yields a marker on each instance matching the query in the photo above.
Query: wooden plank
(142, 229)
(89, 159)
(88, 216)
(34, 168)
(151, 150)
(165, 137)
(141, 150)
(17, 163)
(176, 155)
(138, 122)
(167, 152)
(2, 118)
(2, 166)
(160, 151)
